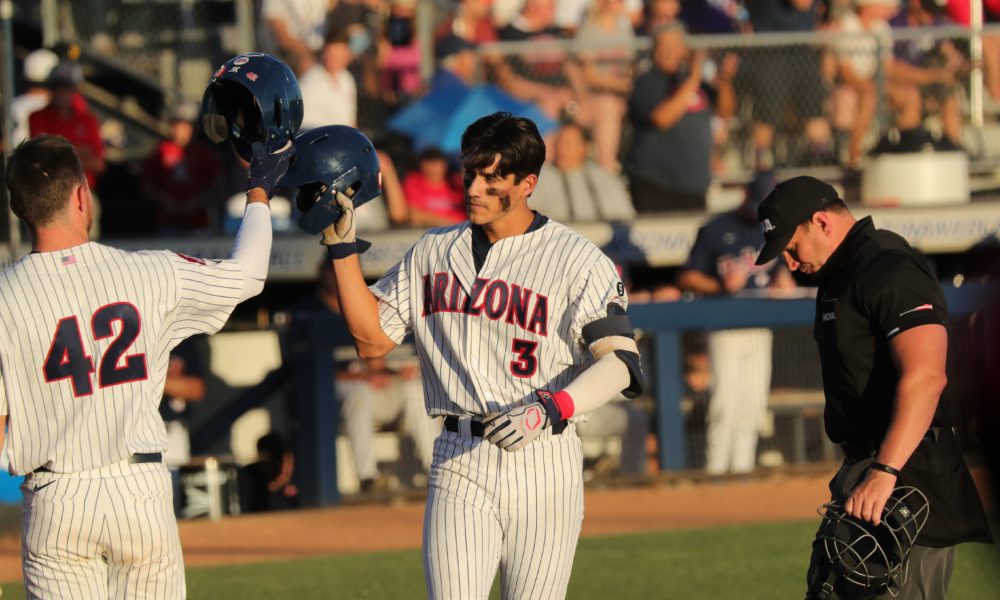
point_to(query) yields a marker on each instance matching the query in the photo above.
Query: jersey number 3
(68, 359)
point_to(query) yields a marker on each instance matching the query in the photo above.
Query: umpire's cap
(327, 160)
(790, 204)
(250, 97)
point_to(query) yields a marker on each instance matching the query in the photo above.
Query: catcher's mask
(327, 160)
(873, 557)
(251, 96)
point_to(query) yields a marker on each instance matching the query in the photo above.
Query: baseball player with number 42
(520, 326)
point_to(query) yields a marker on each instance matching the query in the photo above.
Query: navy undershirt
(481, 244)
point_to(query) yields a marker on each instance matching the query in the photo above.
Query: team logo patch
(620, 289)
(829, 316)
(234, 70)
(241, 60)
(767, 226)
(191, 259)
(251, 76)
(533, 418)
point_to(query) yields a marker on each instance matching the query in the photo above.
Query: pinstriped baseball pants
(105, 533)
(519, 511)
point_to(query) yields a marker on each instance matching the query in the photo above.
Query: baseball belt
(135, 459)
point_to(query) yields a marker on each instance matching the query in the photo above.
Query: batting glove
(340, 238)
(269, 162)
(518, 427)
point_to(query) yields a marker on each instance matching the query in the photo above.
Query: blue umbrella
(440, 118)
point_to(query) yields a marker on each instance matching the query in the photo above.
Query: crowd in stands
(662, 124)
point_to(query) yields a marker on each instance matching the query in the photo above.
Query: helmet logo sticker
(241, 60)
(251, 76)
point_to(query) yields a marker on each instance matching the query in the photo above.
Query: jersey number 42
(68, 359)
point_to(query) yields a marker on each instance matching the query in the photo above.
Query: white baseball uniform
(85, 340)
(487, 340)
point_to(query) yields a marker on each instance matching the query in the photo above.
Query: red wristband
(565, 403)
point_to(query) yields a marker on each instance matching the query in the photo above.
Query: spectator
(329, 93)
(570, 14)
(859, 58)
(721, 262)
(787, 80)
(457, 64)
(67, 114)
(607, 74)
(544, 75)
(37, 66)
(370, 393)
(180, 178)
(267, 483)
(470, 20)
(431, 193)
(657, 14)
(185, 383)
(671, 112)
(399, 55)
(364, 22)
(294, 30)
(923, 74)
(573, 188)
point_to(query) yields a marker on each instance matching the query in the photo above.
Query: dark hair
(337, 35)
(41, 174)
(431, 153)
(515, 139)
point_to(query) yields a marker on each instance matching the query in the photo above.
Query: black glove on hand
(269, 162)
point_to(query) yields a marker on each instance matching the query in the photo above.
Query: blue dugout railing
(309, 365)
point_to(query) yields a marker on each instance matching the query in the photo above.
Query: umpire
(880, 327)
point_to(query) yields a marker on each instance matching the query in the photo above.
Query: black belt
(475, 426)
(135, 459)
(860, 449)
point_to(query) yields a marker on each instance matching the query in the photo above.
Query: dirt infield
(257, 538)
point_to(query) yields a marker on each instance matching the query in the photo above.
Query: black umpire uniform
(872, 287)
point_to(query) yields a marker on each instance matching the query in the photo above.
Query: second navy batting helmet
(872, 557)
(331, 159)
(251, 96)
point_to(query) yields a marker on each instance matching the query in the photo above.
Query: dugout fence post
(317, 414)
(669, 391)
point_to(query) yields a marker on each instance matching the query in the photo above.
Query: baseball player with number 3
(520, 326)
(85, 337)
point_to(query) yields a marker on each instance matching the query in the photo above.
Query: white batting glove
(517, 427)
(344, 230)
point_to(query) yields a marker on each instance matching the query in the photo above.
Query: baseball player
(85, 344)
(520, 327)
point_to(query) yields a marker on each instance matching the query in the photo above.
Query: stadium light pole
(976, 54)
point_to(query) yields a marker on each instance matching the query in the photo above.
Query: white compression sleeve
(252, 248)
(598, 384)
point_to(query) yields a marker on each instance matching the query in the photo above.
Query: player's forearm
(186, 387)
(359, 307)
(699, 283)
(252, 248)
(917, 396)
(598, 384)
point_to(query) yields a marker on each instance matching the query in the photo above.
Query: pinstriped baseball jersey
(488, 340)
(85, 338)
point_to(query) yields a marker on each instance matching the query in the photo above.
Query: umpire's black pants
(929, 570)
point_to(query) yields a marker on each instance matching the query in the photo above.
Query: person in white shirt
(37, 66)
(328, 89)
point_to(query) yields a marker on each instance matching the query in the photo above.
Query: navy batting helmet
(327, 160)
(250, 97)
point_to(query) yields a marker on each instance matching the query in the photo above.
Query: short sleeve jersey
(729, 242)
(488, 339)
(874, 287)
(85, 341)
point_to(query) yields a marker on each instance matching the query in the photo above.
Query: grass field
(765, 562)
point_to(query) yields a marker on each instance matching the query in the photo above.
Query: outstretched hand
(269, 162)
